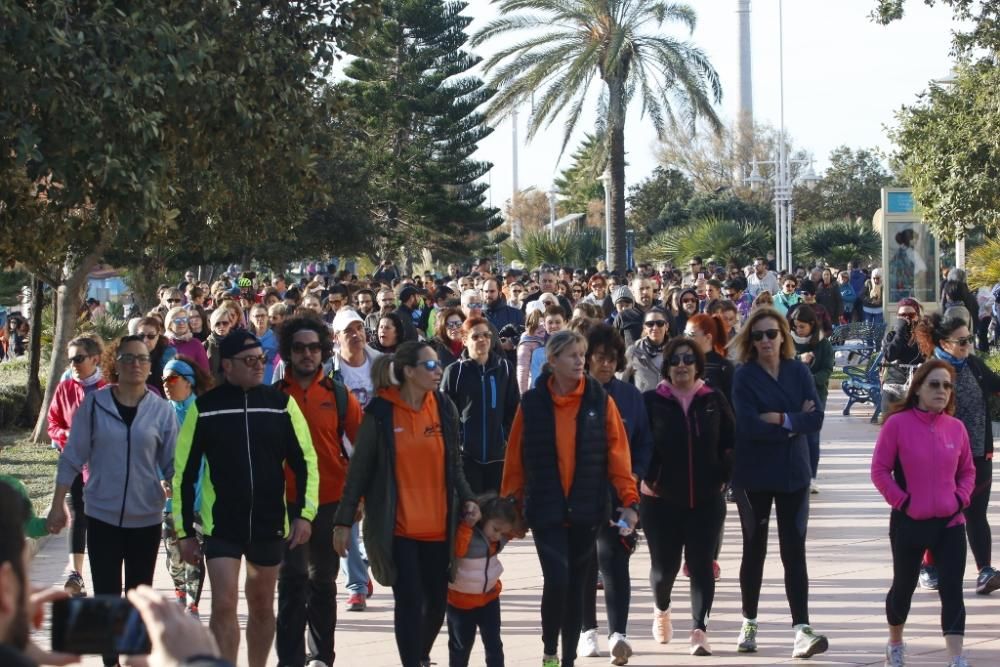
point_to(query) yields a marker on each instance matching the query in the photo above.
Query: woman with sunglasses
(599, 295)
(160, 351)
(180, 337)
(567, 446)
(776, 407)
(219, 321)
(710, 335)
(259, 327)
(407, 465)
(812, 348)
(951, 341)
(682, 506)
(871, 299)
(126, 436)
(447, 340)
(922, 465)
(85, 377)
(644, 358)
(901, 352)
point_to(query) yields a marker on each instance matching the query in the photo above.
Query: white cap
(344, 318)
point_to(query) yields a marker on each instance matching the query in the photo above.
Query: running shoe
(747, 642)
(600, 581)
(929, 577)
(75, 585)
(181, 597)
(620, 648)
(371, 588)
(716, 570)
(587, 648)
(685, 570)
(959, 661)
(808, 643)
(193, 610)
(663, 630)
(895, 655)
(316, 663)
(699, 643)
(988, 581)
(550, 661)
(813, 487)
(356, 602)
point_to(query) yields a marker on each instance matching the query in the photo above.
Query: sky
(845, 77)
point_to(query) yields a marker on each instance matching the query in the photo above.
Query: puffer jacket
(477, 569)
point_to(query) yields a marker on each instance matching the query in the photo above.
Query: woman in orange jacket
(559, 470)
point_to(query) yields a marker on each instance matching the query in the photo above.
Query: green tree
(946, 150)
(660, 200)
(566, 44)
(851, 188)
(578, 184)
(837, 243)
(725, 241)
(576, 247)
(983, 17)
(117, 118)
(415, 100)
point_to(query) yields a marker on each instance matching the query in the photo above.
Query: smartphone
(102, 624)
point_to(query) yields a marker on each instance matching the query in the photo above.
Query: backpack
(340, 396)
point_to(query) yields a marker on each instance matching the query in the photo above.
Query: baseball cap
(236, 342)
(344, 318)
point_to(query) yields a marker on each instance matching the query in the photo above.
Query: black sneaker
(987, 581)
(929, 578)
(75, 586)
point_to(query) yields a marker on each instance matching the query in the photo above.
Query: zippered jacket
(246, 439)
(487, 398)
(125, 461)
(68, 397)
(922, 465)
(693, 452)
(477, 571)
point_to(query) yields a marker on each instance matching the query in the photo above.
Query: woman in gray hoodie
(126, 435)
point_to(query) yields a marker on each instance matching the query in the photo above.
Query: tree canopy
(850, 188)
(982, 15)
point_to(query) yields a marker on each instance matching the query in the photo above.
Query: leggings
(977, 523)
(78, 528)
(671, 530)
(613, 554)
(792, 510)
(110, 547)
(909, 538)
(564, 553)
(421, 597)
(483, 477)
(813, 440)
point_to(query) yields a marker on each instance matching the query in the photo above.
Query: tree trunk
(616, 136)
(70, 298)
(33, 400)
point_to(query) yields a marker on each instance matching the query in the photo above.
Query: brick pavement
(849, 565)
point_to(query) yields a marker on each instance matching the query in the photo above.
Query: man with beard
(547, 283)
(497, 312)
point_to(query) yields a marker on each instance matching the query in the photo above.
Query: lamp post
(605, 180)
(552, 212)
(950, 80)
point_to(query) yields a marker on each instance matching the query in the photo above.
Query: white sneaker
(587, 648)
(808, 643)
(959, 661)
(663, 630)
(813, 487)
(747, 642)
(620, 648)
(699, 643)
(895, 655)
(316, 663)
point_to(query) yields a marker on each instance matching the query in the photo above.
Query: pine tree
(416, 105)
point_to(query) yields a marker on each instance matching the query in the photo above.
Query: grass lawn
(33, 464)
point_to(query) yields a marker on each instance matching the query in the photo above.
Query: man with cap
(628, 319)
(352, 365)
(247, 433)
(409, 301)
(307, 580)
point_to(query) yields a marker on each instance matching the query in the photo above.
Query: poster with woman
(910, 262)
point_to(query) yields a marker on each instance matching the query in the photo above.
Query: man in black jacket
(409, 298)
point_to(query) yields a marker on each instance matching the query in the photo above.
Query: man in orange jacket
(307, 580)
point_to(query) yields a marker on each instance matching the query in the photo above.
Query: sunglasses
(299, 348)
(938, 384)
(481, 336)
(171, 379)
(149, 336)
(453, 325)
(180, 320)
(655, 323)
(474, 306)
(173, 300)
(757, 336)
(79, 358)
(252, 360)
(687, 359)
(129, 359)
(968, 340)
(429, 365)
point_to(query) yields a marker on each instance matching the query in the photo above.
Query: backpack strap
(339, 391)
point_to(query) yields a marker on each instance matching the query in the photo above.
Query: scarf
(455, 347)
(650, 348)
(182, 339)
(96, 377)
(959, 364)
(800, 339)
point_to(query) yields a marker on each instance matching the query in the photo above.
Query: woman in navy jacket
(776, 406)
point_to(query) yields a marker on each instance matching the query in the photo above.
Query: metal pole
(786, 232)
(515, 224)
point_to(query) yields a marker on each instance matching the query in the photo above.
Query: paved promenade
(849, 564)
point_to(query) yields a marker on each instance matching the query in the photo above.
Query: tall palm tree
(567, 43)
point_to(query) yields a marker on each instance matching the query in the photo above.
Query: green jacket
(35, 525)
(821, 366)
(372, 476)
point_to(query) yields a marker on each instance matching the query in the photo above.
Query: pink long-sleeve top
(935, 462)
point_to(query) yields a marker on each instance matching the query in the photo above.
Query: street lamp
(605, 180)
(552, 213)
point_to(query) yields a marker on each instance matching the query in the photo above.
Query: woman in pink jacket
(922, 466)
(179, 334)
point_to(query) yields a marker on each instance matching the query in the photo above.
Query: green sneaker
(550, 661)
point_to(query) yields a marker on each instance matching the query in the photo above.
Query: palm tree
(570, 42)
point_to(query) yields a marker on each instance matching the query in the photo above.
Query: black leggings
(672, 530)
(421, 597)
(564, 552)
(109, 547)
(977, 523)
(78, 527)
(792, 510)
(612, 557)
(909, 538)
(483, 477)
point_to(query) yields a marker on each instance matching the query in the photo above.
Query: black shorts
(264, 554)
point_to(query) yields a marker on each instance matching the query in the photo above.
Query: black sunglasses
(968, 340)
(687, 359)
(757, 336)
(430, 364)
(938, 384)
(78, 358)
(655, 323)
(299, 348)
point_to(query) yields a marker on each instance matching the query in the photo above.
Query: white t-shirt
(359, 380)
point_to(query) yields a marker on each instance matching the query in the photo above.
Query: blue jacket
(502, 315)
(768, 457)
(632, 407)
(487, 400)
(269, 343)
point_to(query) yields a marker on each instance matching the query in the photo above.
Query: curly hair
(288, 329)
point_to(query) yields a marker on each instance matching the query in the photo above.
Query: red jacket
(68, 397)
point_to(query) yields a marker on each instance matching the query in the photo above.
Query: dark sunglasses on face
(655, 323)
(687, 359)
(453, 325)
(481, 336)
(429, 365)
(757, 336)
(299, 348)
(962, 342)
(78, 358)
(173, 300)
(938, 384)
(475, 306)
(252, 360)
(150, 336)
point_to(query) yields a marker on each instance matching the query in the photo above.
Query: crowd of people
(411, 425)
